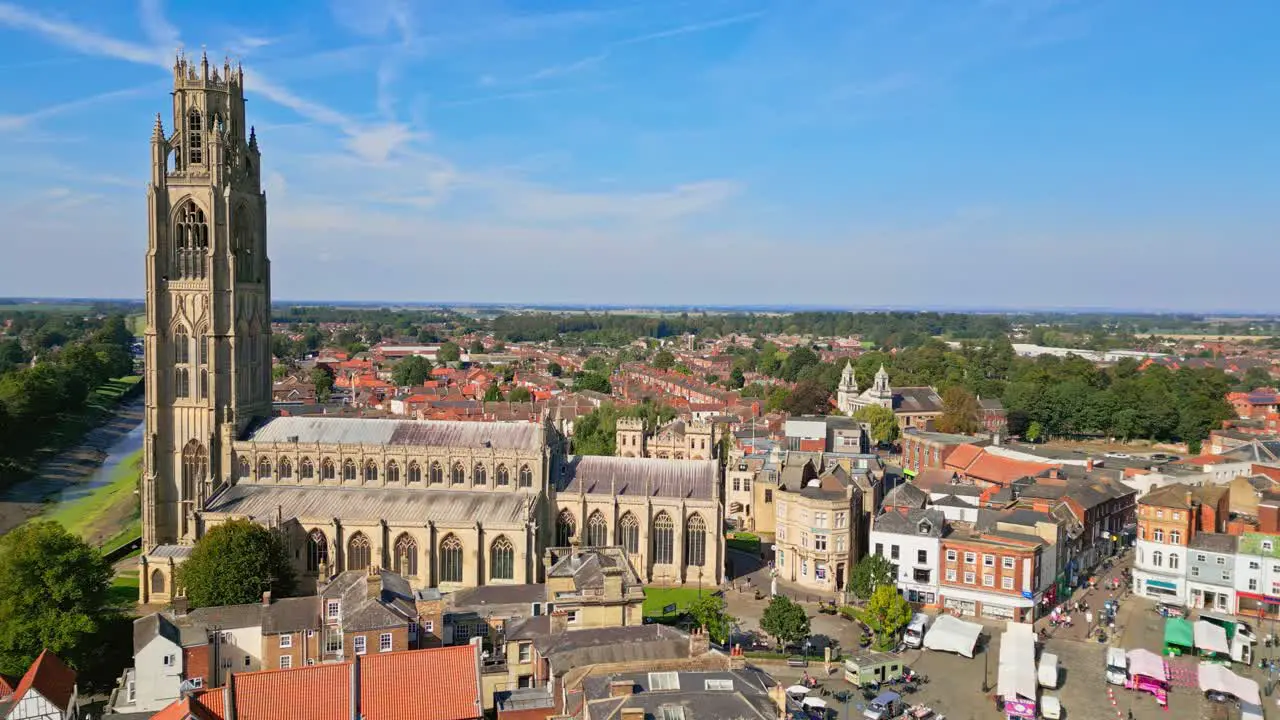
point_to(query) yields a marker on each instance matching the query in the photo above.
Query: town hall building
(449, 505)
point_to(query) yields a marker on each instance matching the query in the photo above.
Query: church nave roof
(369, 505)
(418, 433)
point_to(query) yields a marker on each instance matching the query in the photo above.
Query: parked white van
(914, 636)
(1117, 672)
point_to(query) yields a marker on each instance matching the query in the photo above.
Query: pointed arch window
(405, 560)
(326, 469)
(501, 477)
(348, 470)
(204, 384)
(393, 472)
(695, 541)
(629, 533)
(370, 471)
(286, 469)
(451, 559)
(317, 550)
(597, 530)
(182, 382)
(190, 242)
(479, 476)
(242, 467)
(526, 476)
(157, 581)
(457, 475)
(306, 470)
(264, 468)
(663, 539)
(242, 243)
(415, 472)
(195, 468)
(502, 559)
(566, 528)
(358, 552)
(181, 347)
(437, 474)
(195, 139)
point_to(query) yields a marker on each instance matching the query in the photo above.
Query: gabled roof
(906, 495)
(146, 629)
(440, 684)
(50, 677)
(318, 692)
(189, 708)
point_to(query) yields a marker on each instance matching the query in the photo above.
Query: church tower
(208, 293)
(847, 391)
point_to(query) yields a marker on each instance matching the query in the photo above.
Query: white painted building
(1160, 571)
(155, 679)
(910, 540)
(1257, 573)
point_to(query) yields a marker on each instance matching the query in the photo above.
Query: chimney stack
(180, 605)
(266, 598)
(632, 713)
(621, 688)
(1088, 465)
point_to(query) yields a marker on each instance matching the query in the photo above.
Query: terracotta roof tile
(962, 456)
(50, 677)
(191, 708)
(437, 684)
(319, 692)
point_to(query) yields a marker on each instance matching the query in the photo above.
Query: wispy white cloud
(79, 38)
(691, 28)
(23, 121)
(519, 95)
(156, 26)
(553, 71)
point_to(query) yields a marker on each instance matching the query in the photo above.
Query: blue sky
(957, 153)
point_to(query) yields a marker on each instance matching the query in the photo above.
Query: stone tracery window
(502, 559)
(566, 528)
(242, 467)
(195, 139)
(451, 559)
(358, 552)
(190, 242)
(437, 474)
(326, 469)
(695, 541)
(286, 469)
(305, 469)
(195, 468)
(457, 475)
(264, 468)
(157, 581)
(181, 382)
(415, 472)
(370, 471)
(663, 539)
(629, 533)
(181, 347)
(405, 560)
(393, 472)
(597, 530)
(526, 476)
(317, 550)
(501, 477)
(479, 476)
(348, 471)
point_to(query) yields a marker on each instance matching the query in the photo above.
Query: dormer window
(331, 609)
(926, 527)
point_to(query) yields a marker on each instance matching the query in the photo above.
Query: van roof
(887, 697)
(1116, 657)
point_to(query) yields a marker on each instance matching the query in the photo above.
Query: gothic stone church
(449, 504)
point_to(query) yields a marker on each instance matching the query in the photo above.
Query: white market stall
(953, 635)
(1212, 638)
(1219, 678)
(1016, 679)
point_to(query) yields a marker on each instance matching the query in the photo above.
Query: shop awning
(1177, 631)
(1162, 584)
(1211, 638)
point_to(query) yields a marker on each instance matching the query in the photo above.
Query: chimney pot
(266, 598)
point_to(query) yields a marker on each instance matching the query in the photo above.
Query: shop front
(926, 595)
(1256, 605)
(993, 606)
(960, 606)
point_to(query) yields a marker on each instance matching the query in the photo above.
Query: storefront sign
(1020, 708)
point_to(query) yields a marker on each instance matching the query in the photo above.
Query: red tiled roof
(437, 684)
(962, 456)
(50, 677)
(191, 708)
(1002, 470)
(6, 686)
(1202, 460)
(319, 692)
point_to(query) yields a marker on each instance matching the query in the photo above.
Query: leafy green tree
(797, 361)
(53, 594)
(884, 424)
(278, 372)
(870, 574)
(663, 360)
(592, 381)
(682, 369)
(960, 411)
(449, 352)
(520, 395)
(476, 348)
(737, 378)
(777, 399)
(808, 398)
(493, 393)
(596, 364)
(711, 614)
(233, 564)
(785, 621)
(1035, 431)
(554, 369)
(886, 614)
(411, 371)
(322, 381)
(1254, 378)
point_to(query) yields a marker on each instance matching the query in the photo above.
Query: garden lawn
(656, 598)
(743, 541)
(123, 591)
(107, 514)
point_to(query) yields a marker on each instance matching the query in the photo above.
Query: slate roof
(372, 505)
(908, 522)
(415, 433)
(1214, 542)
(906, 495)
(588, 567)
(645, 477)
(489, 596)
(383, 601)
(916, 400)
(633, 643)
(146, 629)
